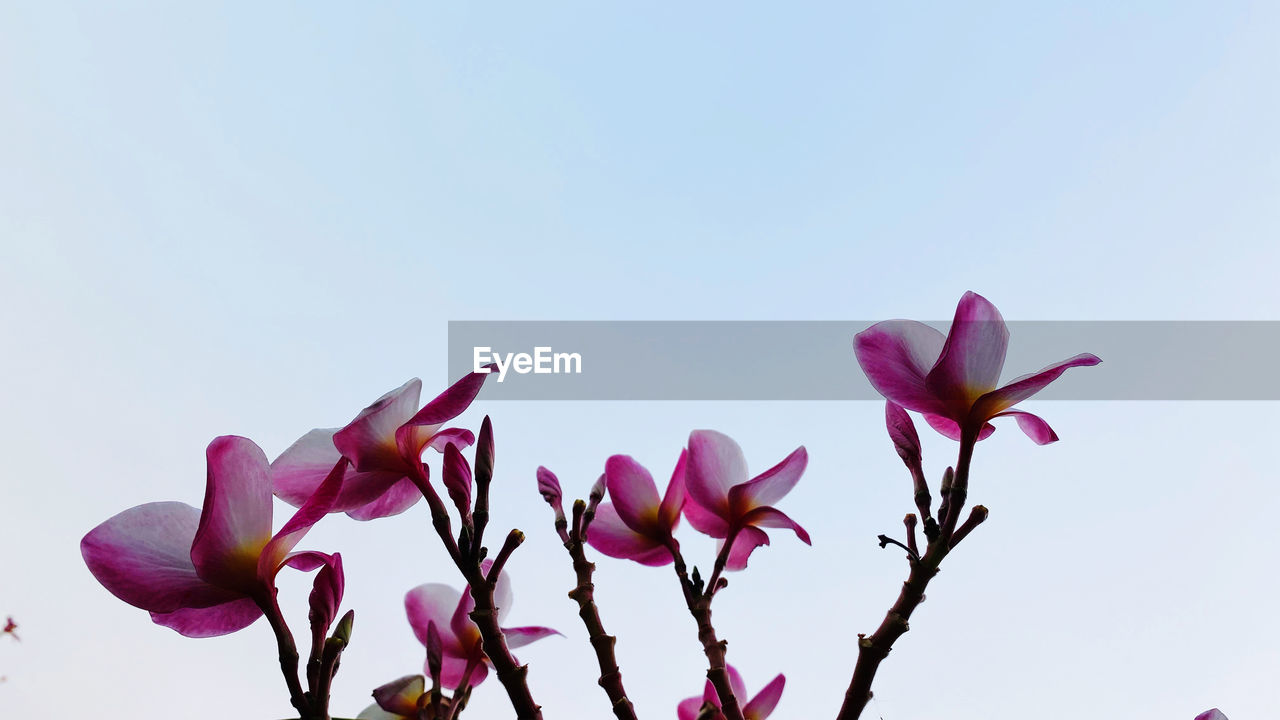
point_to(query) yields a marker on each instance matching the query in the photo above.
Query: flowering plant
(211, 571)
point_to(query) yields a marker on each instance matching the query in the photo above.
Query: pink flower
(723, 503)
(208, 572)
(460, 642)
(758, 708)
(10, 628)
(1214, 714)
(952, 380)
(384, 444)
(637, 525)
(399, 699)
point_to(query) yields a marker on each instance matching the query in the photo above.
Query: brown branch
(874, 648)
(584, 594)
(699, 604)
(514, 677)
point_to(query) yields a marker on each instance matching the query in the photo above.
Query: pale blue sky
(256, 218)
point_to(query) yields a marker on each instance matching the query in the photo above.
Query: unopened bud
(484, 453)
(597, 494)
(903, 433)
(343, 631)
(549, 488)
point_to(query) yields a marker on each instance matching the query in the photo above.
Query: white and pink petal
(634, 494)
(369, 440)
(997, 401)
(973, 355)
(763, 704)
(611, 536)
(222, 619)
(235, 522)
(715, 465)
(896, 356)
(143, 556)
(747, 540)
(771, 485)
(301, 468)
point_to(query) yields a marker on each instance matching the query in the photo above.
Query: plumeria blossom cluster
(711, 487)
(212, 570)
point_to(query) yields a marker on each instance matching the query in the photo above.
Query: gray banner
(813, 360)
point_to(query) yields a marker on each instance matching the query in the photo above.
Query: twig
(584, 594)
(976, 517)
(700, 607)
(874, 648)
(513, 677)
(886, 541)
(266, 600)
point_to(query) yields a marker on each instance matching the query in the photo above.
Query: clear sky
(256, 218)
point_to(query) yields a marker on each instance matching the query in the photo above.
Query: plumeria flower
(952, 379)
(1214, 714)
(724, 504)
(637, 525)
(208, 572)
(384, 444)
(460, 642)
(758, 708)
(400, 699)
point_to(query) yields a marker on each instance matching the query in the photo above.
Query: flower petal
(1033, 426)
(433, 602)
(461, 437)
(748, 539)
(397, 497)
(316, 507)
(521, 636)
(369, 440)
(715, 464)
(400, 696)
(949, 429)
(689, 708)
(762, 705)
(673, 498)
(1214, 714)
(705, 521)
(373, 712)
(973, 356)
(235, 523)
(896, 355)
(299, 470)
(611, 536)
(1024, 387)
(737, 684)
(454, 669)
(213, 621)
(773, 484)
(308, 560)
(143, 557)
(452, 402)
(634, 494)
(775, 518)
